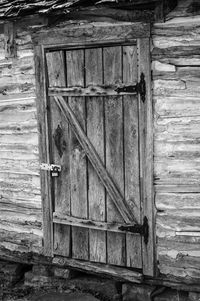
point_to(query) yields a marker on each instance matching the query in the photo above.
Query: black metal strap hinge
(139, 88)
(140, 229)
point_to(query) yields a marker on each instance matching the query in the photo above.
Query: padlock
(55, 171)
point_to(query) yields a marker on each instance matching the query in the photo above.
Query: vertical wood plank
(43, 151)
(146, 129)
(60, 152)
(95, 133)
(61, 240)
(114, 151)
(55, 69)
(131, 154)
(78, 161)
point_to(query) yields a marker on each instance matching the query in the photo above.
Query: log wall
(176, 98)
(176, 88)
(20, 200)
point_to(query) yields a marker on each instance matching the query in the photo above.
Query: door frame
(64, 37)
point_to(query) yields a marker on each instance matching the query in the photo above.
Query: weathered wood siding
(20, 200)
(176, 97)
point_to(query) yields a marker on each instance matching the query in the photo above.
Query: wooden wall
(176, 98)
(20, 200)
(176, 101)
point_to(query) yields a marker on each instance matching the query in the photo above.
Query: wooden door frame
(121, 33)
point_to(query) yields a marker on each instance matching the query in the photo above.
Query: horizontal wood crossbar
(118, 32)
(92, 45)
(84, 223)
(91, 153)
(100, 268)
(93, 90)
(177, 188)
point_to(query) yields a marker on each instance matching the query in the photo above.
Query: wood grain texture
(55, 69)
(62, 240)
(116, 248)
(170, 201)
(100, 34)
(131, 154)
(59, 153)
(146, 128)
(9, 37)
(95, 133)
(43, 151)
(86, 143)
(125, 275)
(101, 269)
(88, 223)
(176, 142)
(176, 95)
(176, 100)
(21, 209)
(78, 160)
(89, 150)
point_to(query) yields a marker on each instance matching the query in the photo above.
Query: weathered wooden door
(96, 130)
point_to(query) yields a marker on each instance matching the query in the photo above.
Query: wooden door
(111, 125)
(96, 134)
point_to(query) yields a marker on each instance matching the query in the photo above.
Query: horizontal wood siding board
(177, 188)
(21, 212)
(174, 201)
(176, 64)
(66, 35)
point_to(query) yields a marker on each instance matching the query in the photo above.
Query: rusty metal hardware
(139, 229)
(139, 88)
(54, 169)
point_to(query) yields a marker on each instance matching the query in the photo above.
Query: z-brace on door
(96, 99)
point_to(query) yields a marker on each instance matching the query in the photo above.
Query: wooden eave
(139, 9)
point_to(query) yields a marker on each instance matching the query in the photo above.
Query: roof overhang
(154, 10)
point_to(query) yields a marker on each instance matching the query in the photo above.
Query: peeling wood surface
(20, 199)
(70, 34)
(101, 269)
(85, 223)
(176, 144)
(176, 63)
(118, 163)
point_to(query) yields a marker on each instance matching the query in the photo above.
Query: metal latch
(140, 229)
(139, 88)
(54, 169)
